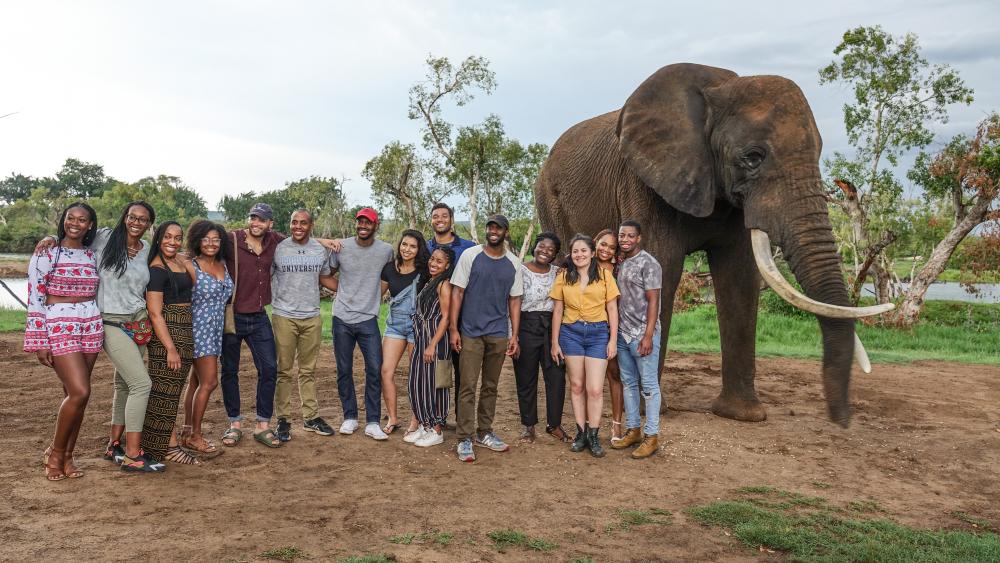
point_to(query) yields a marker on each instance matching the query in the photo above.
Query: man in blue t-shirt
(443, 223)
(486, 293)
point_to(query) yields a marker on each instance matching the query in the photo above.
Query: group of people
(460, 308)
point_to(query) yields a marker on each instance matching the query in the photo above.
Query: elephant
(705, 159)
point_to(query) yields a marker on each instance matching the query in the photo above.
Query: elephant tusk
(761, 244)
(861, 356)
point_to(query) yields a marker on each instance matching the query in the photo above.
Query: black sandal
(175, 454)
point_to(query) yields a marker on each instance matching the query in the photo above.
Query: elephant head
(700, 135)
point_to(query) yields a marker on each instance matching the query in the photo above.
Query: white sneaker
(349, 426)
(412, 437)
(372, 429)
(430, 438)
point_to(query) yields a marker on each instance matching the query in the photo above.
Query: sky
(233, 96)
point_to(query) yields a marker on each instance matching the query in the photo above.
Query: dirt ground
(925, 442)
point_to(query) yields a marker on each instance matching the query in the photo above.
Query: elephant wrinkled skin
(700, 157)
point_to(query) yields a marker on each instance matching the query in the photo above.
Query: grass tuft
(816, 531)
(502, 539)
(379, 558)
(629, 518)
(440, 538)
(973, 521)
(288, 553)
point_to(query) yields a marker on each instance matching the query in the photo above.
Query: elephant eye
(752, 158)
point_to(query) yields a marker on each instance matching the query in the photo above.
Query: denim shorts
(585, 339)
(399, 326)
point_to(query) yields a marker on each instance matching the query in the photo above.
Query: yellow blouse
(586, 304)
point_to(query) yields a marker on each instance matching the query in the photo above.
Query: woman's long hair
(91, 233)
(201, 229)
(429, 291)
(115, 254)
(423, 255)
(157, 252)
(572, 275)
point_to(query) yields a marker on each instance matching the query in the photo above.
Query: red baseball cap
(367, 213)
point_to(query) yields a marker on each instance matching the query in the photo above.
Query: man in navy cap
(253, 249)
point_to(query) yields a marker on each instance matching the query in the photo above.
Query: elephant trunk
(802, 229)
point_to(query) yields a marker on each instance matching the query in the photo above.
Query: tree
(398, 183)
(897, 95)
(170, 197)
(966, 174)
(83, 179)
(323, 197)
(17, 186)
(459, 164)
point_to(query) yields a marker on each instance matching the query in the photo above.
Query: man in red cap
(359, 262)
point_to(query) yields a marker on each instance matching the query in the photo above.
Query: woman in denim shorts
(402, 278)
(584, 335)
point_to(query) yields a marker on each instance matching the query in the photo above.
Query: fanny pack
(140, 331)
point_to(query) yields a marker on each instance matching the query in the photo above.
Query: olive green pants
(482, 358)
(132, 382)
(296, 338)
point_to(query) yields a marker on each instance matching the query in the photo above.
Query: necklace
(132, 252)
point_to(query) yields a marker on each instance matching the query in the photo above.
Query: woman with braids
(534, 337)
(168, 300)
(212, 287)
(64, 327)
(401, 279)
(430, 328)
(606, 242)
(122, 257)
(585, 335)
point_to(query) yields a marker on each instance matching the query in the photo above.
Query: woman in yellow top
(584, 334)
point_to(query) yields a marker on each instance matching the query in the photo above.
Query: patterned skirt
(165, 394)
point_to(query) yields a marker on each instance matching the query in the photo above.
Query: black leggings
(535, 338)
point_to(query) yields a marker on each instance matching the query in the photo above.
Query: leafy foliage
(323, 197)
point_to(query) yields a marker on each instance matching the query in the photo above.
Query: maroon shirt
(253, 286)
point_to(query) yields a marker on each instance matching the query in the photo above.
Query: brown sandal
(201, 446)
(70, 469)
(176, 455)
(559, 434)
(527, 435)
(52, 473)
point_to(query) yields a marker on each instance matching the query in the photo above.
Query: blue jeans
(255, 328)
(366, 335)
(639, 370)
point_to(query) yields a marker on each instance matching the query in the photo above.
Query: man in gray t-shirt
(355, 320)
(300, 265)
(640, 278)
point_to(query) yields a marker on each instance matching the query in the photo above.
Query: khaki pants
(484, 356)
(296, 338)
(132, 383)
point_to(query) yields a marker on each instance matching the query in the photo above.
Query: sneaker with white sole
(492, 441)
(465, 452)
(372, 430)
(430, 438)
(413, 436)
(349, 426)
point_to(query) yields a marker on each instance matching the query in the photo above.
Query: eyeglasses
(211, 241)
(139, 220)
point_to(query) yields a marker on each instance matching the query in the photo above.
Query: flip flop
(390, 428)
(267, 438)
(233, 435)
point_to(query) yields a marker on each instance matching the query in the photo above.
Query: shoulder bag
(229, 326)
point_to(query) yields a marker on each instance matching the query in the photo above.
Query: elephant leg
(734, 275)
(672, 267)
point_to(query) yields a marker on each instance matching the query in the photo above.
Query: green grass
(12, 320)
(973, 521)
(627, 519)
(817, 531)
(288, 553)
(380, 558)
(440, 538)
(502, 539)
(950, 331)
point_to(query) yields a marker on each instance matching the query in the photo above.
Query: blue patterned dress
(208, 310)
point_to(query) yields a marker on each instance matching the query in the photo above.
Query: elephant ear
(663, 135)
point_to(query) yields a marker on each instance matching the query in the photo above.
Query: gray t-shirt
(636, 275)
(488, 283)
(295, 276)
(123, 295)
(360, 289)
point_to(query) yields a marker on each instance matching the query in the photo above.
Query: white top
(537, 288)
